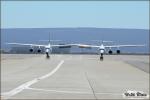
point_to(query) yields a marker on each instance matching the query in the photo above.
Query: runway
(67, 76)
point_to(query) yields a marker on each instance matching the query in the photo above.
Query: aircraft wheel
(47, 55)
(101, 58)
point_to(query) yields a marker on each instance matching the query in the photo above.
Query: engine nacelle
(31, 50)
(39, 50)
(118, 51)
(110, 52)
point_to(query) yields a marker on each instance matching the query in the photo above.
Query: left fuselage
(48, 49)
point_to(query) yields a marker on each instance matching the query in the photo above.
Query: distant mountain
(78, 35)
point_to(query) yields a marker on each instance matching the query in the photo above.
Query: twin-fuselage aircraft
(101, 48)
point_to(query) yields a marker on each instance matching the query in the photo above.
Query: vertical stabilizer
(49, 38)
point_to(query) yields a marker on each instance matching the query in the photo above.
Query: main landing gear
(101, 57)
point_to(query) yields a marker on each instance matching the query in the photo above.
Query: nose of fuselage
(47, 50)
(101, 49)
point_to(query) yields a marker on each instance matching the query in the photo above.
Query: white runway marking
(83, 92)
(27, 84)
(60, 91)
(52, 72)
(73, 92)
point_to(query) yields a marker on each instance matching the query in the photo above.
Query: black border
(75, 0)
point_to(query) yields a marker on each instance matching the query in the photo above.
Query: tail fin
(49, 40)
(49, 37)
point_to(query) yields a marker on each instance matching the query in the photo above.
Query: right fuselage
(102, 49)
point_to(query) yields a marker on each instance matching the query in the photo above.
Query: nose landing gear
(101, 57)
(47, 55)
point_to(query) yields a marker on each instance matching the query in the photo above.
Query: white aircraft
(48, 47)
(102, 48)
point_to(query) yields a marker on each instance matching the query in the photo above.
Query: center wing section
(87, 46)
(64, 45)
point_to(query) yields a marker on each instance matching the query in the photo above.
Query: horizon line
(70, 27)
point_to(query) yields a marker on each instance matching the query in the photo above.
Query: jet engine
(118, 51)
(39, 50)
(110, 51)
(31, 49)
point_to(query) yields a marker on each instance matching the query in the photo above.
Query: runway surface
(73, 76)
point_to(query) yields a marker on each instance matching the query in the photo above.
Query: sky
(51, 14)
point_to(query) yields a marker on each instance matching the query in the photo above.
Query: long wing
(117, 46)
(37, 45)
(34, 45)
(107, 46)
(64, 45)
